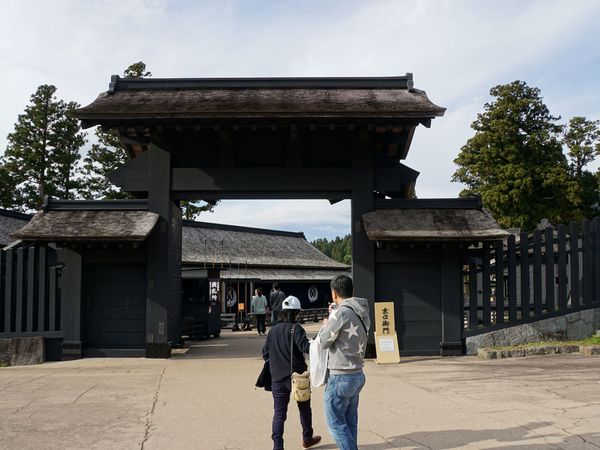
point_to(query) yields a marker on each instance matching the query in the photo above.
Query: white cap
(291, 302)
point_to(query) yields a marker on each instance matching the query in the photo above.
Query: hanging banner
(230, 297)
(386, 341)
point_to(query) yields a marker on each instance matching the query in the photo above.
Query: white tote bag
(318, 363)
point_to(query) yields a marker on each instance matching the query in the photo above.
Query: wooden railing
(29, 292)
(530, 277)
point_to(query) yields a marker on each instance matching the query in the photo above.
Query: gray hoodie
(345, 336)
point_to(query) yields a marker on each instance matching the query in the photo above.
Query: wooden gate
(29, 292)
(530, 277)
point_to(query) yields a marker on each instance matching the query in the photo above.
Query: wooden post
(500, 295)
(19, 297)
(31, 253)
(550, 283)
(363, 250)
(596, 228)
(8, 288)
(42, 268)
(452, 301)
(485, 271)
(525, 288)
(562, 267)
(159, 254)
(574, 263)
(537, 273)
(473, 304)
(588, 263)
(512, 279)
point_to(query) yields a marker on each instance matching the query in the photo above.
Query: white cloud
(457, 50)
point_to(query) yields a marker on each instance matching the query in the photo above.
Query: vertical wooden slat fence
(550, 272)
(29, 290)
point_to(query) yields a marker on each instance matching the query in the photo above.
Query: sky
(456, 49)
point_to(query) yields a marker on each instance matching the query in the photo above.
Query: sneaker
(312, 441)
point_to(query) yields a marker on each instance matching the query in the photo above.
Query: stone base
(158, 350)
(574, 326)
(22, 351)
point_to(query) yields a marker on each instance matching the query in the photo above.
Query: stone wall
(578, 325)
(22, 351)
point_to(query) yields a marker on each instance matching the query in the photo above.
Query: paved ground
(205, 399)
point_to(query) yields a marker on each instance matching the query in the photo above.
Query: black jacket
(277, 350)
(276, 299)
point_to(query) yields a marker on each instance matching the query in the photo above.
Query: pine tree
(581, 137)
(515, 160)
(108, 155)
(43, 152)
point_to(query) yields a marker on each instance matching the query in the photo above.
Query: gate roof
(196, 99)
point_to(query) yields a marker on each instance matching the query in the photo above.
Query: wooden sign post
(386, 341)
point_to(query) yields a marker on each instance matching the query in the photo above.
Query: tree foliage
(581, 138)
(339, 249)
(515, 160)
(107, 155)
(43, 152)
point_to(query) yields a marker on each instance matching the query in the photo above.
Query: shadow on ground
(452, 439)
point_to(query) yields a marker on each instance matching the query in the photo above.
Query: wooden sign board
(385, 322)
(386, 340)
(387, 349)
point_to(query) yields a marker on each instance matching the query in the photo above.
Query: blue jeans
(341, 408)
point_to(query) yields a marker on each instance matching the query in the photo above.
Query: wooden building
(211, 139)
(245, 258)
(256, 138)
(10, 221)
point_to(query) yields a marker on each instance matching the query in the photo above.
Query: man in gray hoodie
(345, 336)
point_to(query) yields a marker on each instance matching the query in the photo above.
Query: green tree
(137, 70)
(43, 152)
(338, 249)
(108, 154)
(581, 138)
(515, 160)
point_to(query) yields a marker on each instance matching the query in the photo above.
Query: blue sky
(456, 49)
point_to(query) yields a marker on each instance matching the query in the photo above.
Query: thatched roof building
(462, 220)
(10, 222)
(255, 254)
(198, 98)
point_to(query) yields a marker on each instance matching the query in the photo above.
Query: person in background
(345, 335)
(275, 300)
(259, 308)
(284, 349)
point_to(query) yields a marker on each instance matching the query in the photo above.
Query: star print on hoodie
(345, 337)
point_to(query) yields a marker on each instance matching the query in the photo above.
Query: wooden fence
(530, 277)
(29, 292)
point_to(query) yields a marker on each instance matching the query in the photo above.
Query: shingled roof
(207, 243)
(10, 221)
(419, 221)
(208, 98)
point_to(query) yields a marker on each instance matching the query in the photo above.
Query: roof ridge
(118, 83)
(226, 227)
(15, 214)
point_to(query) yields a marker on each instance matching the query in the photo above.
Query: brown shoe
(312, 441)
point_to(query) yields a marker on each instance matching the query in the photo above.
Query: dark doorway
(415, 288)
(114, 307)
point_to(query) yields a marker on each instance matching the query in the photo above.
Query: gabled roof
(230, 246)
(255, 98)
(119, 225)
(11, 221)
(432, 220)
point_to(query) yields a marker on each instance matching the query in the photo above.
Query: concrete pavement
(204, 398)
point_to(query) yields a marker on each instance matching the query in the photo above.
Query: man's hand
(325, 321)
